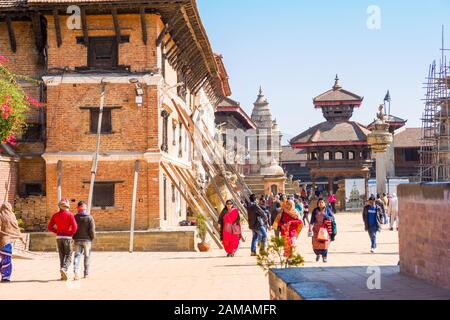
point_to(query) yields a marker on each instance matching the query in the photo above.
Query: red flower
(11, 140)
(5, 109)
(32, 101)
(3, 59)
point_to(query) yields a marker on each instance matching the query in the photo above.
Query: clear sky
(294, 49)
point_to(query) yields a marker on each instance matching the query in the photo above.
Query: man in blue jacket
(373, 219)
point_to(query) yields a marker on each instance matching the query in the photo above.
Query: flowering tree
(14, 104)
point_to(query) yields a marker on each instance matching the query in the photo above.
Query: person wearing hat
(373, 220)
(63, 224)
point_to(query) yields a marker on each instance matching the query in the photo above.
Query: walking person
(305, 211)
(380, 202)
(255, 224)
(9, 231)
(373, 219)
(276, 209)
(291, 226)
(332, 201)
(83, 239)
(322, 230)
(230, 228)
(63, 224)
(393, 211)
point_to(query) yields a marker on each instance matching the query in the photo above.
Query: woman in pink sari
(291, 226)
(231, 228)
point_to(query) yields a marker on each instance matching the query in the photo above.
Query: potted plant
(203, 246)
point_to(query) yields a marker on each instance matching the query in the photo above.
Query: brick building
(154, 60)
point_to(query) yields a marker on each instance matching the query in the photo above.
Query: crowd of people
(286, 216)
(283, 215)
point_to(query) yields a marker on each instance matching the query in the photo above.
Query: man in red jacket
(63, 224)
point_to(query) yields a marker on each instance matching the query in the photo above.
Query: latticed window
(180, 152)
(103, 53)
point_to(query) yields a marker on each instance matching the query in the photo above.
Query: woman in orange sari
(231, 229)
(291, 226)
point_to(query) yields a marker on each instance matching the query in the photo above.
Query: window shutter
(104, 194)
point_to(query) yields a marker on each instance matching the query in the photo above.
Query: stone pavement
(188, 275)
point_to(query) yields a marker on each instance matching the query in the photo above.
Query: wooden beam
(116, 24)
(12, 36)
(84, 26)
(38, 31)
(161, 36)
(57, 27)
(143, 25)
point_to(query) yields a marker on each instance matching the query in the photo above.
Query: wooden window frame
(105, 204)
(107, 118)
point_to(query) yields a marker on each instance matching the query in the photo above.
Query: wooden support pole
(133, 205)
(59, 181)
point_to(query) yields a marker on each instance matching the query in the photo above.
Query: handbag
(323, 234)
(233, 228)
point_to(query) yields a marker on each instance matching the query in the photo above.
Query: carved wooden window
(351, 155)
(106, 120)
(328, 156)
(103, 53)
(182, 90)
(314, 156)
(165, 134)
(104, 194)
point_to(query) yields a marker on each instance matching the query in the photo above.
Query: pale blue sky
(294, 48)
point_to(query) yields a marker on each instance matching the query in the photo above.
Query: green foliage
(21, 225)
(14, 104)
(201, 227)
(274, 256)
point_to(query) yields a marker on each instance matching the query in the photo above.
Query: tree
(274, 256)
(14, 103)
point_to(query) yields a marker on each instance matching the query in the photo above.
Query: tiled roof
(408, 138)
(328, 132)
(338, 95)
(293, 155)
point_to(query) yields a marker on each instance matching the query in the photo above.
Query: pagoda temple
(337, 148)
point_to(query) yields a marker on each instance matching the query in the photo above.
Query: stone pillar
(381, 172)
(390, 160)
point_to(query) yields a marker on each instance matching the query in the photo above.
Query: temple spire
(336, 86)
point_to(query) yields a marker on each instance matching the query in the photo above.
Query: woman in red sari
(231, 228)
(291, 226)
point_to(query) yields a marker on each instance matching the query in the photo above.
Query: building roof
(233, 107)
(337, 94)
(408, 138)
(293, 155)
(332, 133)
(393, 121)
(223, 74)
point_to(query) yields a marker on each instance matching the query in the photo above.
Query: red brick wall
(134, 128)
(136, 54)
(25, 60)
(424, 232)
(75, 174)
(8, 180)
